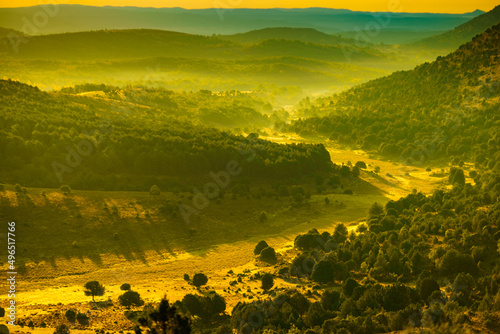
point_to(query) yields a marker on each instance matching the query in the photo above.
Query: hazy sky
(433, 6)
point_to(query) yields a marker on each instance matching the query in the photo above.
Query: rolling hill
(450, 40)
(444, 110)
(306, 35)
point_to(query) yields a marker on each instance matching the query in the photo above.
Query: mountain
(306, 35)
(73, 18)
(444, 110)
(463, 33)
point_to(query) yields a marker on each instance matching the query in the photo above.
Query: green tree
(131, 298)
(199, 279)
(267, 281)
(94, 288)
(323, 272)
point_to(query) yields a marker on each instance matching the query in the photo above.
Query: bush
(260, 246)
(361, 165)
(267, 281)
(66, 190)
(125, 287)
(187, 278)
(199, 279)
(154, 190)
(131, 298)
(18, 188)
(268, 255)
(82, 319)
(70, 315)
(62, 329)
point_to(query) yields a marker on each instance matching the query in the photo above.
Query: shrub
(70, 315)
(154, 190)
(259, 247)
(361, 165)
(82, 319)
(263, 217)
(66, 190)
(187, 278)
(18, 188)
(125, 287)
(267, 281)
(268, 255)
(131, 298)
(62, 329)
(199, 279)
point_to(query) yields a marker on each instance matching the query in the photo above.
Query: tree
(193, 304)
(199, 279)
(154, 190)
(94, 288)
(267, 281)
(376, 210)
(426, 287)
(340, 234)
(323, 272)
(259, 247)
(164, 319)
(125, 287)
(62, 329)
(349, 285)
(131, 298)
(268, 255)
(70, 315)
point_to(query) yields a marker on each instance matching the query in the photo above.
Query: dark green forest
(134, 145)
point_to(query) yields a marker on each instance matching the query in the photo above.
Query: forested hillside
(463, 33)
(47, 139)
(444, 110)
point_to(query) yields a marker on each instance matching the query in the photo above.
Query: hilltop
(306, 35)
(450, 40)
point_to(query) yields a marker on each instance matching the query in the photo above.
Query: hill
(130, 139)
(73, 18)
(450, 40)
(306, 35)
(120, 44)
(444, 110)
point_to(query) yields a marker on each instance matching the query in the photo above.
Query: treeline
(446, 109)
(118, 143)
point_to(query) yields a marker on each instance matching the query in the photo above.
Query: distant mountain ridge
(464, 32)
(72, 18)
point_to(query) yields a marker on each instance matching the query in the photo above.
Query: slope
(450, 40)
(444, 110)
